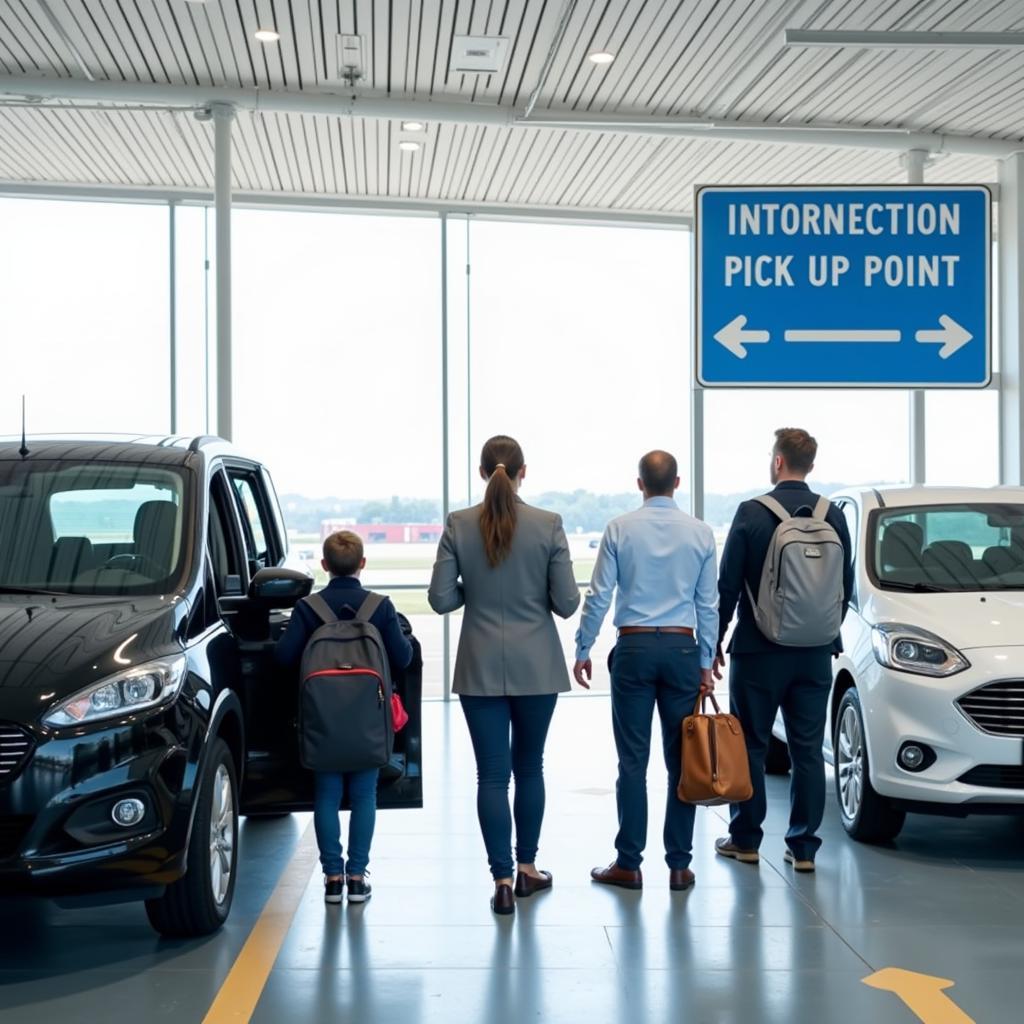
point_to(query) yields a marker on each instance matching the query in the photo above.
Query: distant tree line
(581, 511)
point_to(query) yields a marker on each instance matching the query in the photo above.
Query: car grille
(15, 748)
(997, 708)
(995, 776)
(12, 833)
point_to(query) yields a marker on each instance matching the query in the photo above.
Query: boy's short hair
(343, 552)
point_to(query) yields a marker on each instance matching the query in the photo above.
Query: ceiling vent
(478, 55)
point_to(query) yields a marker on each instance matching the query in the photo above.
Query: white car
(927, 705)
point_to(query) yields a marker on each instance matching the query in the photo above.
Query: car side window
(849, 510)
(224, 554)
(257, 523)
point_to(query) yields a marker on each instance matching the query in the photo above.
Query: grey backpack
(345, 719)
(799, 602)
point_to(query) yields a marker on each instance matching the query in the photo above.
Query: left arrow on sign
(952, 337)
(733, 337)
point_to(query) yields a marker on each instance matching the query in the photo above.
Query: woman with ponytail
(507, 563)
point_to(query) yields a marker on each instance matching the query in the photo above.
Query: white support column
(1011, 318)
(223, 118)
(915, 161)
(696, 410)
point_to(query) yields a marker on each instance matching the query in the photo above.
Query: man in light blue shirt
(663, 563)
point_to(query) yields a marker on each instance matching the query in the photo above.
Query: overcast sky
(579, 348)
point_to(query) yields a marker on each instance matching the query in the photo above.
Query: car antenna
(23, 450)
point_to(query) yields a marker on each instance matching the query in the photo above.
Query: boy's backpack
(799, 601)
(345, 721)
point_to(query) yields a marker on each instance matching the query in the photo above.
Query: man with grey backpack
(787, 568)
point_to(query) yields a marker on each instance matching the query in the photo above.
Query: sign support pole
(1011, 318)
(915, 161)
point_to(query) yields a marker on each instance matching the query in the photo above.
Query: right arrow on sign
(733, 337)
(952, 337)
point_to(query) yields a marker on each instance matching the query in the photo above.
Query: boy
(343, 560)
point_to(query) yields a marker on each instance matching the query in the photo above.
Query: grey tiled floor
(748, 944)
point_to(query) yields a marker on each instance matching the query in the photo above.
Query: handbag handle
(698, 708)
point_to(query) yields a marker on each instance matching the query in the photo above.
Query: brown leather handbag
(715, 766)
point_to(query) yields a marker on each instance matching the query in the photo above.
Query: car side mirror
(278, 587)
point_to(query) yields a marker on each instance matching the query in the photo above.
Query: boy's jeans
(362, 792)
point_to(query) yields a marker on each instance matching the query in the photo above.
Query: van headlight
(135, 689)
(909, 649)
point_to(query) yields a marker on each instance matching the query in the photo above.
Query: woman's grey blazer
(509, 645)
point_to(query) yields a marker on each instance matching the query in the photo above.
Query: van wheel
(199, 902)
(866, 816)
(777, 761)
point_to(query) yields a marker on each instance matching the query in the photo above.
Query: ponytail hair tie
(500, 465)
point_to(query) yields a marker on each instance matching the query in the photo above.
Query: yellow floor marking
(922, 993)
(243, 986)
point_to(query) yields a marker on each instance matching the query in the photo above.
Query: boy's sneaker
(358, 890)
(333, 889)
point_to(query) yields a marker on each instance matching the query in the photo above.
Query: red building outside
(385, 533)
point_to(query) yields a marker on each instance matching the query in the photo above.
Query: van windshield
(950, 548)
(89, 527)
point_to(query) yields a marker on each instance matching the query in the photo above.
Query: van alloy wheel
(222, 838)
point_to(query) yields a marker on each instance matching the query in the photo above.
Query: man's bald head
(659, 474)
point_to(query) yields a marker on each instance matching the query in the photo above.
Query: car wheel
(777, 761)
(866, 816)
(199, 902)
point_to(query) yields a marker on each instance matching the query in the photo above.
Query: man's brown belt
(630, 630)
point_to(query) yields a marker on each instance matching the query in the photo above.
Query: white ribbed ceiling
(720, 59)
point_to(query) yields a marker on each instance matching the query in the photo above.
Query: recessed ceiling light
(267, 35)
(408, 146)
(413, 126)
(602, 57)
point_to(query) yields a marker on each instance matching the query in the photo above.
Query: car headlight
(910, 649)
(135, 689)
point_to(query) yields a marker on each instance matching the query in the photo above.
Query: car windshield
(950, 547)
(87, 527)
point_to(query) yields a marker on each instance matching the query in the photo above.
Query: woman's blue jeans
(508, 735)
(362, 793)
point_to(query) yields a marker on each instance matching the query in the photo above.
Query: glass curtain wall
(337, 388)
(573, 338)
(84, 316)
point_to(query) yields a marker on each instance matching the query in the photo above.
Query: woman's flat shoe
(503, 902)
(527, 885)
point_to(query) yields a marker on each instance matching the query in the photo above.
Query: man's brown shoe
(681, 879)
(727, 848)
(527, 885)
(614, 875)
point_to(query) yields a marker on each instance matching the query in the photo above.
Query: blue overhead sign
(860, 286)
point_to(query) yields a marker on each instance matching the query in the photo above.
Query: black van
(143, 584)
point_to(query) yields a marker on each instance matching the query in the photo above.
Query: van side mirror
(278, 587)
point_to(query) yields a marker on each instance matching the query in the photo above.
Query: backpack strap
(321, 608)
(369, 607)
(821, 508)
(773, 506)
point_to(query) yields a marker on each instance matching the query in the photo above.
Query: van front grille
(15, 750)
(997, 708)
